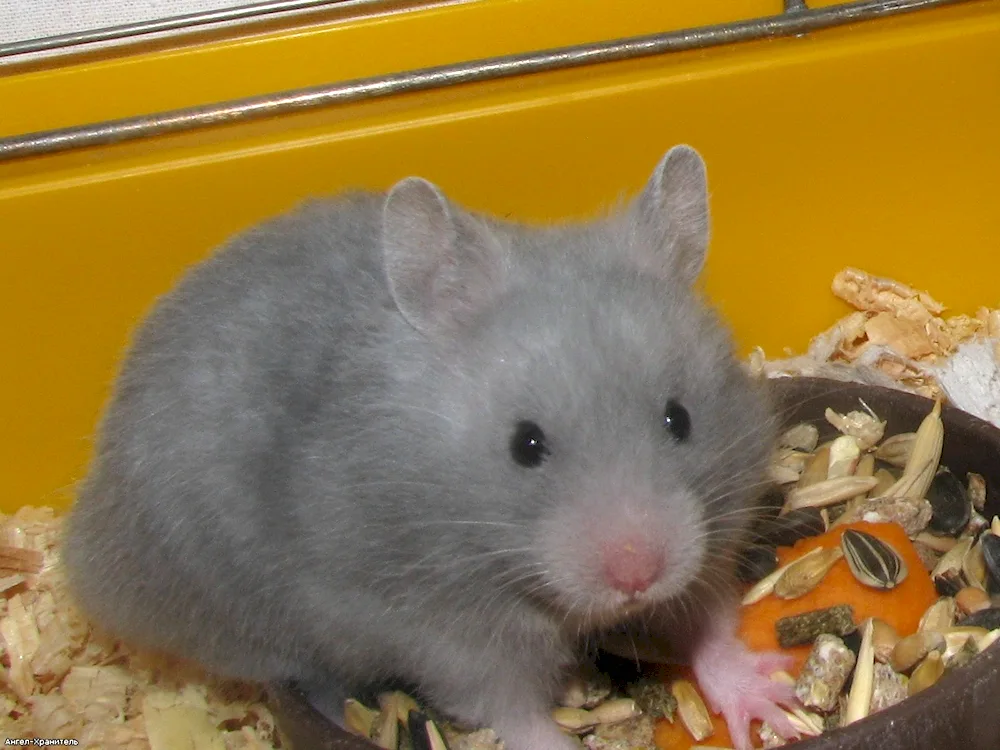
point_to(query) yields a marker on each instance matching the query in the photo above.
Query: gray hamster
(385, 437)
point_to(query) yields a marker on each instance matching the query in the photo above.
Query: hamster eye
(527, 444)
(676, 420)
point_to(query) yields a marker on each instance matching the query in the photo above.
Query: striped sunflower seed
(872, 561)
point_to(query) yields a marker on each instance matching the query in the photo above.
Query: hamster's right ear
(672, 216)
(442, 265)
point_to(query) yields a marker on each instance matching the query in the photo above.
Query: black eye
(676, 420)
(527, 444)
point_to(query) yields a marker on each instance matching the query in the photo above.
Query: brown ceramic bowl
(961, 712)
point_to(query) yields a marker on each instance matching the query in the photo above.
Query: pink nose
(631, 565)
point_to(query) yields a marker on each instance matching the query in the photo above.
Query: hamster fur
(386, 437)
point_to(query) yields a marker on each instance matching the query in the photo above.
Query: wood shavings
(61, 679)
(898, 337)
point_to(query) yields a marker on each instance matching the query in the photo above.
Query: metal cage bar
(797, 19)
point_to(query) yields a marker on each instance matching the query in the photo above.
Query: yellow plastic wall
(875, 146)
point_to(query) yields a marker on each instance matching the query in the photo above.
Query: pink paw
(736, 684)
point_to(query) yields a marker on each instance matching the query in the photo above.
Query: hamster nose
(631, 565)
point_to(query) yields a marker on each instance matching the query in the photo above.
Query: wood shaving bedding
(62, 679)
(899, 337)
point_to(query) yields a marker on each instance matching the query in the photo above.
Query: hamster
(383, 437)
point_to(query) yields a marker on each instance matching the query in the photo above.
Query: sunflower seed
(951, 505)
(872, 561)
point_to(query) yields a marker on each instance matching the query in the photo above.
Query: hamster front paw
(736, 684)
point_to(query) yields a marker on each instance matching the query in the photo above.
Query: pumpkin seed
(872, 561)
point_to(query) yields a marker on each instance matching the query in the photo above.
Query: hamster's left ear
(671, 217)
